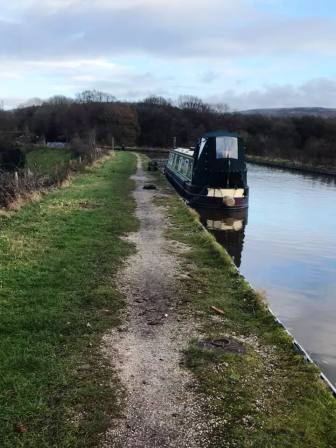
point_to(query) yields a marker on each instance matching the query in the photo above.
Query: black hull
(197, 199)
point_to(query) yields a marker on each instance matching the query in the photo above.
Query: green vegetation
(267, 397)
(318, 168)
(45, 160)
(57, 296)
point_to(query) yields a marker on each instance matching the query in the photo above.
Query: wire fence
(15, 184)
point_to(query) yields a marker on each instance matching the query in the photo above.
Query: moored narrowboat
(214, 174)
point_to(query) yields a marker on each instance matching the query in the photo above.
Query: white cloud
(192, 28)
(317, 92)
(69, 77)
(72, 44)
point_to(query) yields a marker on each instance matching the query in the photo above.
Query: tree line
(155, 121)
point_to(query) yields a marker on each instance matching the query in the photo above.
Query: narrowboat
(213, 174)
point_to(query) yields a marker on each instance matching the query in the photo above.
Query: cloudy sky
(246, 53)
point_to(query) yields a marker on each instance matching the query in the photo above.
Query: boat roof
(220, 134)
(185, 151)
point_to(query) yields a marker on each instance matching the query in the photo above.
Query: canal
(286, 247)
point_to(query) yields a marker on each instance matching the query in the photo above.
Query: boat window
(185, 166)
(227, 148)
(175, 161)
(190, 169)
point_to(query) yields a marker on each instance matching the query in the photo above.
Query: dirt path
(161, 407)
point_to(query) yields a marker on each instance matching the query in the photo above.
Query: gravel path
(161, 408)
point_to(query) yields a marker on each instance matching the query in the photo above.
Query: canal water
(286, 247)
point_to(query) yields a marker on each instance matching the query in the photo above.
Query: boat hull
(195, 197)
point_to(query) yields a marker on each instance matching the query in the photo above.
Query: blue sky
(245, 53)
(298, 8)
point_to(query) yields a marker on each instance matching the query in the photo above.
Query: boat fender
(229, 201)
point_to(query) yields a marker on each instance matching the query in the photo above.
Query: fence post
(16, 179)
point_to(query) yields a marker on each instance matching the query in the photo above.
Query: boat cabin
(215, 169)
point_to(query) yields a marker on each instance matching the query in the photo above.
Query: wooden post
(112, 143)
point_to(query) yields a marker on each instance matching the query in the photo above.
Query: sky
(244, 53)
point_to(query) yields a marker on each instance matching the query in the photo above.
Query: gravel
(161, 407)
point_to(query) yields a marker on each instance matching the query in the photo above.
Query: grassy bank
(45, 160)
(267, 397)
(57, 297)
(293, 165)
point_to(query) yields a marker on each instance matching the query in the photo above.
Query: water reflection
(228, 229)
(315, 178)
(289, 249)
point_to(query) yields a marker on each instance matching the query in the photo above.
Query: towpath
(161, 409)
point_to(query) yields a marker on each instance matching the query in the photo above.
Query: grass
(304, 166)
(57, 298)
(45, 160)
(268, 397)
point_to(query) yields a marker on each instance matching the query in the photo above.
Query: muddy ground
(161, 408)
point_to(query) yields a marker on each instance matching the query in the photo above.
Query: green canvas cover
(220, 158)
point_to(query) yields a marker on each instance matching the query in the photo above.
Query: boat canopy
(218, 156)
(226, 145)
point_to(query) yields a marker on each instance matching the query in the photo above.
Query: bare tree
(157, 101)
(94, 96)
(58, 100)
(190, 102)
(31, 102)
(221, 108)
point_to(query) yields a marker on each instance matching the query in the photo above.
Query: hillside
(323, 112)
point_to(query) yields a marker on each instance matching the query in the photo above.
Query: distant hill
(293, 112)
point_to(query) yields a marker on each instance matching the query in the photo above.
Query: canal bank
(71, 267)
(292, 165)
(267, 396)
(290, 225)
(58, 257)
